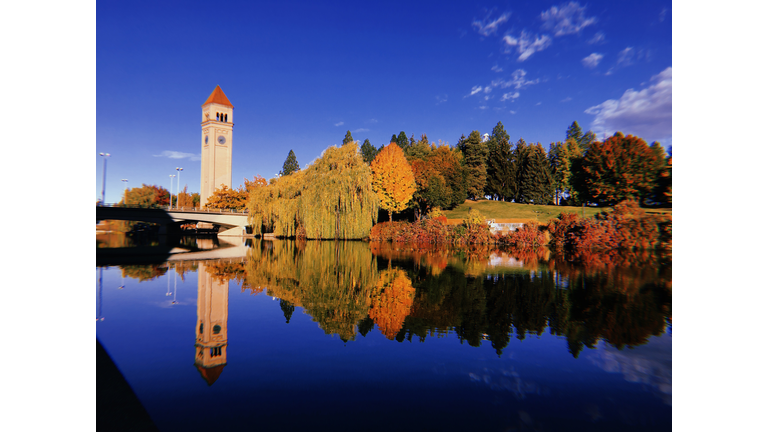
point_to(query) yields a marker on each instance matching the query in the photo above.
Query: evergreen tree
(368, 151)
(475, 154)
(500, 169)
(574, 132)
(290, 165)
(402, 140)
(287, 308)
(347, 138)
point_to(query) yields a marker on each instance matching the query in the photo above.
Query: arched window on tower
(217, 117)
(225, 118)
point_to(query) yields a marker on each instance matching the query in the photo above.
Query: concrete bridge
(225, 222)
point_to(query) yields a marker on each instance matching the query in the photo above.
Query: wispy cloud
(510, 96)
(629, 56)
(496, 68)
(486, 26)
(567, 19)
(598, 38)
(360, 130)
(646, 113)
(592, 60)
(513, 112)
(371, 121)
(526, 45)
(663, 14)
(339, 123)
(568, 99)
(179, 155)
(441, 98)
(475, 90)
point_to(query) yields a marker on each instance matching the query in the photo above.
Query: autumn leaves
(392, 179)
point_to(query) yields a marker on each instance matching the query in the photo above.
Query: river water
(284, 335)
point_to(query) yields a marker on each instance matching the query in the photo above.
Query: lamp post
(125, 192)
(178, 185)
(104, 179)
(170, 192)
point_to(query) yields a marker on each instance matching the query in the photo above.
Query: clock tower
(216, 142)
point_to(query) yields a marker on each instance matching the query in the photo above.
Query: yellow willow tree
(330, 199)
(393, 179)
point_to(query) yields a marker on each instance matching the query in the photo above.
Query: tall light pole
(178, 185)
(170, 192)
(104, 179)
(125, 192)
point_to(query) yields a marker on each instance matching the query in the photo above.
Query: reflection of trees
(332, 281)
(392, 301)
(143, 272)
(622, 299)
(586, 297)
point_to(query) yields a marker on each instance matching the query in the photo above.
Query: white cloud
(510, 96)
(486, 27)
(626, 56)
(526, 46)
(483, 107)
(360, 130)
(646, 113)
(441, 98)
(568, 99)
(513, 112)
(475, 90)
(339, 123)
(592, 60)
(371, 121)
(598, 38)
(496, 68)
(179, 155)
(567, 19)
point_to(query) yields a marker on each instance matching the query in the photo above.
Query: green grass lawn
(523, 212)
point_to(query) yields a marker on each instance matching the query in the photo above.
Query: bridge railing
(182, 209)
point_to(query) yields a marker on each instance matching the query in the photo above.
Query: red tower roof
(218, 96)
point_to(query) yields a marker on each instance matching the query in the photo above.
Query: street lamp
(170, 192)
(104, 179)
(178, 185)
(125, 192)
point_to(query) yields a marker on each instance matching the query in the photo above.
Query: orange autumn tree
(391, 302)
(392, 179)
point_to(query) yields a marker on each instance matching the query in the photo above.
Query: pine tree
(347, 138)
(402, 140)
(368, 151)
(475, 155)
(500, 169)
(290, 165)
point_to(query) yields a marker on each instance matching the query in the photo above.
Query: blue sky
(300, 74)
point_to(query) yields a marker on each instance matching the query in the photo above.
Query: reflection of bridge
(226, 222)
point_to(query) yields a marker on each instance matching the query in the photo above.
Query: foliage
(529, 236)
(226, 198)
(290, 165)
(620, 168)
(368, 151)
(628, 227)
(391, 302)
(147, 196)
(392, 179)
(500, 166)
(185, 199)
(332, 198)
(534, 180)
(401, 140)
(475, 153)
(347, 138)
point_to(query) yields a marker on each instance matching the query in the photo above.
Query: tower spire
(218, 96)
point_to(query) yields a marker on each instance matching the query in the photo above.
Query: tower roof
(210, 375)
(218, 96)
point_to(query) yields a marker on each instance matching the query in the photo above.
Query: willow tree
(392, 179)
(331, 199)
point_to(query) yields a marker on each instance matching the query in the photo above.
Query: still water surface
(354, 336)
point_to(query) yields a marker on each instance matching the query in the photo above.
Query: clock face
(222, 139)
(206, 139)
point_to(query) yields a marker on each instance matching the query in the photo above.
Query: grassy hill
(512, 212)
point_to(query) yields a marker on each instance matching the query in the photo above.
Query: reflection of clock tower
(211, 329)
(216, 164)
